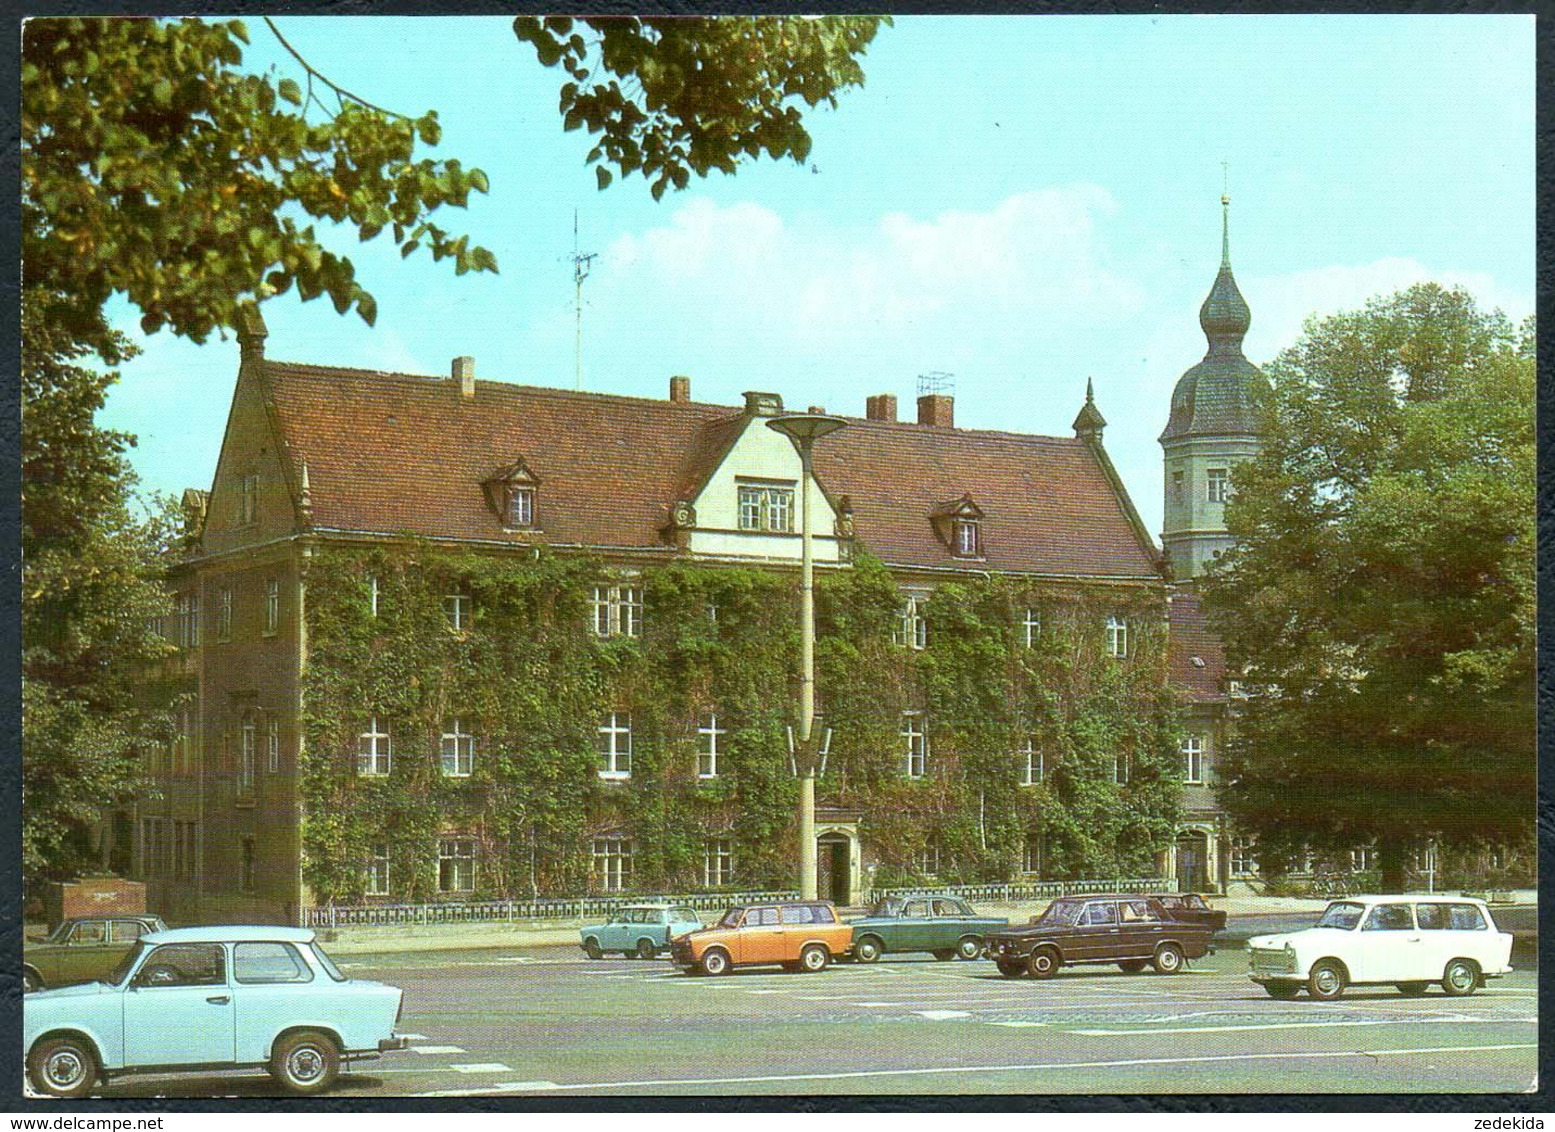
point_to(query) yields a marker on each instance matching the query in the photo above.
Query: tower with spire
(1214, 425)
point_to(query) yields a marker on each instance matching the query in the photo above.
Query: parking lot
(547, 1022)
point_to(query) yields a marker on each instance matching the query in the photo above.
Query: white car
(209, 998)
(1408, 941)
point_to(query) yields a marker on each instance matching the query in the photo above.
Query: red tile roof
(395, 453)
(1190, 638)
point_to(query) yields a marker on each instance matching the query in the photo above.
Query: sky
(1021, 202)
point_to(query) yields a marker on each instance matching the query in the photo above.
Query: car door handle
(219, 999)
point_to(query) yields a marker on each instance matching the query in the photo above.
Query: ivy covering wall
(532, 683)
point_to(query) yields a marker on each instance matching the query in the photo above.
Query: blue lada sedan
(210, 998)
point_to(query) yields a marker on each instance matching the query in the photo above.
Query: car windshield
(1341, 915)
(328, 964)
(732, 918)
(1060, 914)
(127, 964)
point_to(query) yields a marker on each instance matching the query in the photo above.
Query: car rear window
(1450, 917)
(796, 914)
(328, 964)
(90, 931)
(268, 962)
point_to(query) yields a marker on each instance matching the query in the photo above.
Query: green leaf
(602, 176)
(290, 91)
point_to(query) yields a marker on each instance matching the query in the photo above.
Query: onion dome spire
(1224, 315)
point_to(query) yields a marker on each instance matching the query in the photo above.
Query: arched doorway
(837, 862)
(1192, 861)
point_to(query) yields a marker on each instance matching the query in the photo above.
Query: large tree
(1380, 602)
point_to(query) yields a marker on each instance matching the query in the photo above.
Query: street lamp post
(804, 429)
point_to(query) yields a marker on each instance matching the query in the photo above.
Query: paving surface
(543, 1021)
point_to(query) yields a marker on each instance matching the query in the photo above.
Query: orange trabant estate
(801, 935)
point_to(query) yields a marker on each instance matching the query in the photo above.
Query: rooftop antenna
(936, 381)
(580, 271)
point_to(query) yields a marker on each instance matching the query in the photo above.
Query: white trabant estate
(210, 998)
(1407, 941)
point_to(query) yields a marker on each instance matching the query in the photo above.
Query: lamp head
(804, 429)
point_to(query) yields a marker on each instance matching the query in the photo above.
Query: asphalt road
(546, 1022)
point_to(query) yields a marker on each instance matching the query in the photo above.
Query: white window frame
(967, 538)
(765, 508)
(458, 609)
(912, 630)
(616, 756)
(248, 499)
(224, 615)
(521, 506)
(377, 882)
(617, 609)
(272, 606)
(1117, 637)
(273, 745)
(457, 750)
(374, 751)
(1031, 854)
(1244, 857)
(247, 757)
(372, 594)
(926, 859)
(1033, 764)
(1193, 760)
(189, 620)
(611, 857)
(1031, 626)
(458, 853)
(718, 862)
(1217, 485)
(1122, 767)
(709, 747)
(915, 743)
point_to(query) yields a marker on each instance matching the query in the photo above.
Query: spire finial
(1225, 214)
(304, 493)
(1090, 392)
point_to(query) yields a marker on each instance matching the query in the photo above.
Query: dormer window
(513, 493)
(967, 543)
(765, 507)
(958, 526)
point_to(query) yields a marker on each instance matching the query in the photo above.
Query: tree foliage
(1380, 601)
(91, 596)
(154, 167)
(674, 96)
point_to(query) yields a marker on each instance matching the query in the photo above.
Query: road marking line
(482, 1067)
(1283, 1026)
(436, 1049)
(548, 1086)
(942, 1015)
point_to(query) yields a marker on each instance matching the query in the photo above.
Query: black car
(1194, 908)
(1131, 931)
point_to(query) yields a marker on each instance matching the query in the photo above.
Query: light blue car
(643, 930)
(210, 998)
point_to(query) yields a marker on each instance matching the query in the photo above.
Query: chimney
(251, 333)
(680, 389)
(936, 409)
(464, 374)
(817, 410)
(763, 404)
(881, 407)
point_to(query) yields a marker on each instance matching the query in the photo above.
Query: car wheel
(591, 949)
(1133, 966)
(868, 950)
(1043, 963)
(945, 953)
(1282, 989)
(814, 959)
(62, 1067)
(1168, 959)
(647, 949)
(1413, 990)
(1461, 977)
(1326, 980)
(31, 980)
(1010, 968)
(715, 961)
(969, 947)
(305, 1063)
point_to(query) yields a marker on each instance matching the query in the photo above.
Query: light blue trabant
(210, 998)
(643, 930)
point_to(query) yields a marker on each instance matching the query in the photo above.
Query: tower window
(1219, 485)
(1177, 487)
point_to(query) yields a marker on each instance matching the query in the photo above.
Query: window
(1117, 637)
(91, 931)
(248, 499)
(521, 507)
(926, 860)
(1363, 859)
(247, 878)
(246, 759)
(913, 628)
(1032, 768)
(272, 606)
(1031, 854)
(618, 611)
(915, 744)
(766, 508)
(1121, 767)
(718, 862)
(269, 963)
(613, 862)
(1244, 860)
(184, 965)
(1450, 918)
(1193, 759)
(1031, 627)
(1101, 913)
(1177, 487)
(709, 742)
(1219, 485)
(456, 607)
(615, 746)
(224, 615)
(795, 914)
(456, 864)
(189, 620)
(372, 594)
(968, 540)
(1390, 918)
(378, 869)
(273, 746)
(458, 750)
(373, 755)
